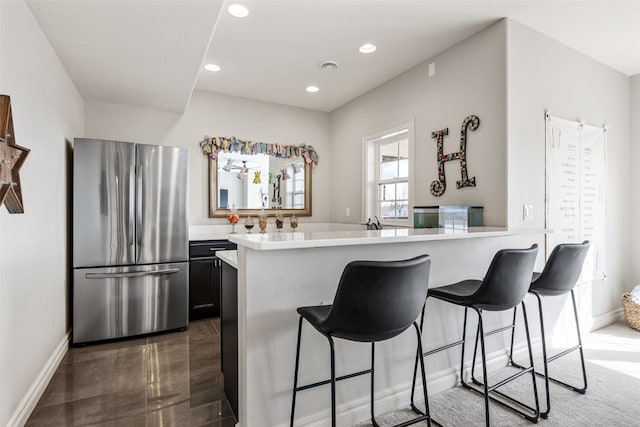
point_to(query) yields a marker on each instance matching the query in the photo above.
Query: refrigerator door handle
(132, 207)
(132, 274)
(139, 195)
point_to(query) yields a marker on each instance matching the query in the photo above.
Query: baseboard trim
(606, 319)
(30, 400)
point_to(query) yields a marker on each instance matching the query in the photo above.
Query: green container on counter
(454, 217)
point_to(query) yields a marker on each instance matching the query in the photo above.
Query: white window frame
(290, 184)
(371, 168)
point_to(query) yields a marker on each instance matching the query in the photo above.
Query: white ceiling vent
(329, 65)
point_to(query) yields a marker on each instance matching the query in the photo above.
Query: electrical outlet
(527, 212)
(347, 212)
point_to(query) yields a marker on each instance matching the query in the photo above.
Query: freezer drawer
(117, 302)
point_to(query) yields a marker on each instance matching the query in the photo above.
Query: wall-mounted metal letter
(440, 185)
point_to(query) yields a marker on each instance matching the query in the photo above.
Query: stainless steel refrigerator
(130, 239)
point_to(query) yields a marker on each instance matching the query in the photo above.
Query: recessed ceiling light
(238, 10)
(212, 67)
(367, 48)
(312, 89)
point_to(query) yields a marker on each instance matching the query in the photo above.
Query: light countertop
(230, 257)
(322, 238)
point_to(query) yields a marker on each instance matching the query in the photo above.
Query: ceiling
(151, 53)
(143, 53)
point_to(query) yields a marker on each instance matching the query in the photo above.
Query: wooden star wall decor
(12, 157)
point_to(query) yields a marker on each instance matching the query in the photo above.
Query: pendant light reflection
(243, 171)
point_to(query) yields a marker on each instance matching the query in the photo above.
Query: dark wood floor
(171, 379)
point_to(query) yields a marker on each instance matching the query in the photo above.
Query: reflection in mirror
(253, 182)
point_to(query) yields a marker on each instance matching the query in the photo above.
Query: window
(294, 187)
(388, 186)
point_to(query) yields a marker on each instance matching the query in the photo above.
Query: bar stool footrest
(564, 353)
(581, 390)
(419, 411)
(459, 342)
(522, 372)
(533, 418)
(325, 382)
(417, 420)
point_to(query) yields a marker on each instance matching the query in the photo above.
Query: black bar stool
(504, 287)
(559, 277)
(375, 301)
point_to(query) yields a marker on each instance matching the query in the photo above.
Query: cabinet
(205, 272)
(229, 334)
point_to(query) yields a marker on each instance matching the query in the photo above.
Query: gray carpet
(612, 399)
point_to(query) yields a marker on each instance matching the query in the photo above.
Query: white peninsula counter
(280, 271)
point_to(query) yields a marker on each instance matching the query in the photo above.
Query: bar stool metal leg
(512, 362)
(426, 415)
(464, 340)
(333, 382)
(547, 359)
(475, 349)
(532, 367)
(535, 410)
(424, 376)
(295, 372)
(583, 389)
(484, 383)
(545, 363)
(419, 352)
(513, 333)
(373, 352)
(420, 359)
(484, 368)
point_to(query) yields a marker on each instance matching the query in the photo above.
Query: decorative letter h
(438, 187)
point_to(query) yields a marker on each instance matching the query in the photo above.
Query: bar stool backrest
(562, 269)
(377, 300)
(507, 280)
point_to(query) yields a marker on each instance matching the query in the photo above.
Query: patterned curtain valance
(212, 145)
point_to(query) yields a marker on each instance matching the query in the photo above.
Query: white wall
(218, 115)
(470, 79)
(634, 194)
(546, 75)
(34, 258)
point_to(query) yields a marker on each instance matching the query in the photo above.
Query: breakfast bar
(280, 271)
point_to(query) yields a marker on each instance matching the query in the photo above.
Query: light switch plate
(527, 212)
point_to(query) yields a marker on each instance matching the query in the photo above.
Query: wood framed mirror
(253, 182)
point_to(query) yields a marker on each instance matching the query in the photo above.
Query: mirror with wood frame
(253, 182)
